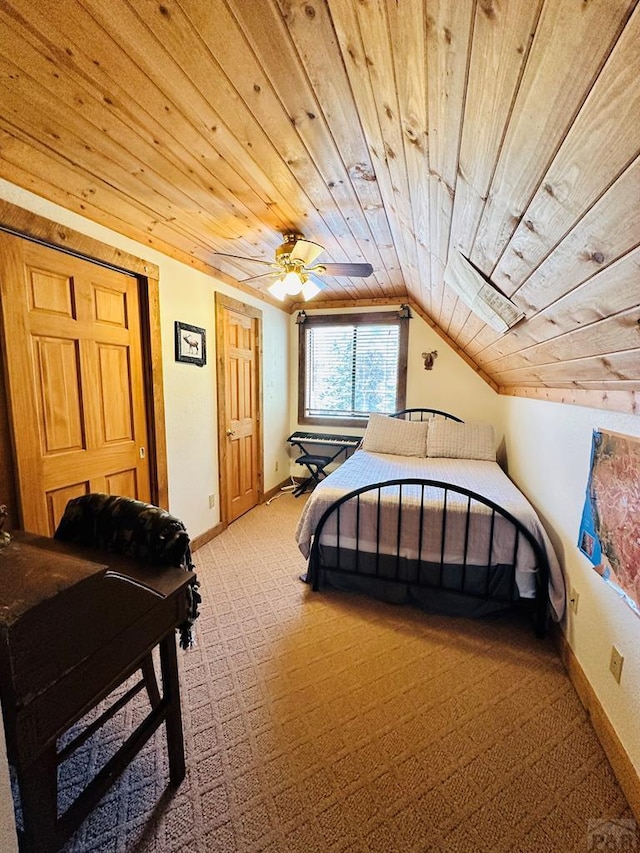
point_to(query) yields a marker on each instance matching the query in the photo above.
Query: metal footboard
(428, 534)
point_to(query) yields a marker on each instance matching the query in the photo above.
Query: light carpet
(331, 722)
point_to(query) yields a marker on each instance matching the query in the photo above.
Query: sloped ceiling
(389, 132)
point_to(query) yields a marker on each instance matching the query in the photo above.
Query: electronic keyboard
(324, 438)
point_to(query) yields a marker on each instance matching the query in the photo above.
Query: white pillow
(385, 434)
(461, 441)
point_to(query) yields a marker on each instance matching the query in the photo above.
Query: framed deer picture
(191, 344)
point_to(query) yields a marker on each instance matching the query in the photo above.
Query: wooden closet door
(73, 358)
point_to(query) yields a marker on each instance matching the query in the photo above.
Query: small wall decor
(429, 358)
(191, 344)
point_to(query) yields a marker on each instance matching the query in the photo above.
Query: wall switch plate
(212, 501)
(573, 600)
(615, 664)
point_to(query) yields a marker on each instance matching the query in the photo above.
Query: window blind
(352, 370)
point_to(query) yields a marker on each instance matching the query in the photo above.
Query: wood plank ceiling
(389, 132)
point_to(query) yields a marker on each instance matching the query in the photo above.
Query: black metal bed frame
(422, 414)
(488, 583)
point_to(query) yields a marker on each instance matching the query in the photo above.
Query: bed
(423, 513)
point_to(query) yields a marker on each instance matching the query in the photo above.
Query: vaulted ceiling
(389, 132)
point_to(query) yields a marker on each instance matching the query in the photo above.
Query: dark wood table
(74, 624)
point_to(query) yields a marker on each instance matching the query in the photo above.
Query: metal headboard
(418, 414)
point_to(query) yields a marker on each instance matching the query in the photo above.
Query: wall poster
(609, 530)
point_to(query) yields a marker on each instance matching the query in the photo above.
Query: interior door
(73, 359)
(239, 351)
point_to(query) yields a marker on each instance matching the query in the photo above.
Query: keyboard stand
(315, 465)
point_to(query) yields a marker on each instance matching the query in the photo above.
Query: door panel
(115, 388)
(57, 380)
(57, 500)
(238, 337)
(75, 380)
(122, 483)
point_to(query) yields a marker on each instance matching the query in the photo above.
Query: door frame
(222, 301)
(31, 226)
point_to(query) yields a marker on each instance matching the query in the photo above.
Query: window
(351, 365)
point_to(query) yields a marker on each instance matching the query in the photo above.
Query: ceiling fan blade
(305, 251)
(260, 275)
(241, 258)
(350, 270)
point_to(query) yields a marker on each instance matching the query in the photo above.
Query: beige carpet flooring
(331, 722)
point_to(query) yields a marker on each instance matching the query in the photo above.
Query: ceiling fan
(294, 269)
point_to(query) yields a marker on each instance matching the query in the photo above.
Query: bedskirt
(450, 589)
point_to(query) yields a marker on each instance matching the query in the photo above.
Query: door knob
(230, 432)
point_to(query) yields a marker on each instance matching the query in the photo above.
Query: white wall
(549, 450)
(451, 386)
(190, 394)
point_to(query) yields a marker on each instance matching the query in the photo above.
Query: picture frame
(191, 344)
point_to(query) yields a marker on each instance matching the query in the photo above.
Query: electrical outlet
(212, 501)
(573, 600)
(615, 664)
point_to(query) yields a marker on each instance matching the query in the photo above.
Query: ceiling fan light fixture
(310, 289)
(278, 289)
(292, 283)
